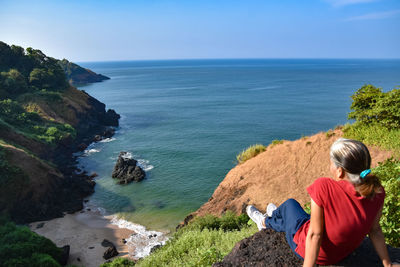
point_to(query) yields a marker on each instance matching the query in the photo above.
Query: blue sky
(183, 29)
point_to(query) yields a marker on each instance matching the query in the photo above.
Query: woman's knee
(291, 201)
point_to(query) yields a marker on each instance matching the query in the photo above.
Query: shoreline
(85, 230)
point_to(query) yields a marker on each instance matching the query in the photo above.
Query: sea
(185, 121)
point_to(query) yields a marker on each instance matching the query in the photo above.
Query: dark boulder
(269, 248)
(106, 243)
(109, 132)
(110, 252)
(126, 170)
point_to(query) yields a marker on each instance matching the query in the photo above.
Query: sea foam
(107, 140)
(142, 241)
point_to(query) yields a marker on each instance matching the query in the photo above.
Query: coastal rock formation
(269, 248)
(111, 250)
(38, 169)
(77, 75)
(126, 170)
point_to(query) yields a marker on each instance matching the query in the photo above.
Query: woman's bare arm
(314, 235)
(378, 240)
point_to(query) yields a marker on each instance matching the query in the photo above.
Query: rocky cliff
(48, 184)
(78, 75)
(43, 120)
(283, 171)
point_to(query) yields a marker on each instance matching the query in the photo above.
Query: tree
(371, 105)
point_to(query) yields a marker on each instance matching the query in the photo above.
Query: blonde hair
(353, 156)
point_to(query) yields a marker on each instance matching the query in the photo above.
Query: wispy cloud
(375, 15)
(339, 3)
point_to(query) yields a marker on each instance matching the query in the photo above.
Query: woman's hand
(314, 235)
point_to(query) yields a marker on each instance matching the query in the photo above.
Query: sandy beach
(84, 231)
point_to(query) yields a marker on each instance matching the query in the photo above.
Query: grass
(374, 134)
(250, 152)
(276, 142)
(202, 242)
(329, 134)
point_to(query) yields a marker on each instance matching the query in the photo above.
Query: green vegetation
(77, 75)
(329, 134)
(371, 105)
(202, 242)
(30, 124)
(23, 71)
(27, 75)
(377, 116)
(389, 174)
(374, 134)
(119, 262)
(377, 122)
(21, 247)
(250, 152)
(276, 142)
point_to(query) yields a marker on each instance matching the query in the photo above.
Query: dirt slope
(283, 171)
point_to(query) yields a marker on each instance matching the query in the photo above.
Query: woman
(343, 210)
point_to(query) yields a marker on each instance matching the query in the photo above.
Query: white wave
(90, 151)
(127, 155)
(144, 164)
(142, 241)
(263, 88)
(107, 140)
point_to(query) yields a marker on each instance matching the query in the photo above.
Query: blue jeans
(288, 218)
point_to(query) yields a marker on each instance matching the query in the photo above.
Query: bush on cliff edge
(21, 247)
(250, 152)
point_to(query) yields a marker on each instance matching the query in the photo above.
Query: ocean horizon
(186, 120)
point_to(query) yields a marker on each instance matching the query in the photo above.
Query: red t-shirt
(348, 219)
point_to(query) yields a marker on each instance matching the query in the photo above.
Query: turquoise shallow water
(186, 121)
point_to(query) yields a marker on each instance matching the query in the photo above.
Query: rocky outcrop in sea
(126, 170)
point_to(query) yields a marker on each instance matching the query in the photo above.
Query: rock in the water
(126, 170)
(110, 252)
(269, 248)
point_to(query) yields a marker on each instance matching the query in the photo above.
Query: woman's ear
(340, 173)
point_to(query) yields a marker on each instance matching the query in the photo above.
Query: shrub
(228, 222)
(389, 174)
(21, 247)
(371, 105)
(250, 152)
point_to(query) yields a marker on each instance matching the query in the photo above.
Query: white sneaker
(256, 216)
(270, 209)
